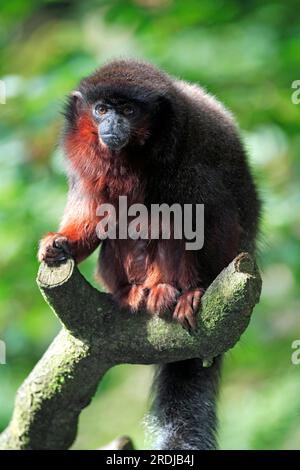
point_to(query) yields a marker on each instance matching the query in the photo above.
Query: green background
(244, 52)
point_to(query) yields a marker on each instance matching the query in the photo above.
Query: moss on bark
(96, 335)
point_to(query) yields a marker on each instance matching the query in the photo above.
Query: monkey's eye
(128, 110)
(100, 109)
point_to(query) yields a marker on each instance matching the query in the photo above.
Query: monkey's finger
(56, 261)
(192, 321)
(185, 316)
(180, 316)
(61, 257)
(176, 311)
(57, 254)
(196, 299)
(185, 323)
(52, 252)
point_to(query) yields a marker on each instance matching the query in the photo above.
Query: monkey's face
(117, 121)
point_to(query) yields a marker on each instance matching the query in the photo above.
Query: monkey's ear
(77, 94)
(77, 99)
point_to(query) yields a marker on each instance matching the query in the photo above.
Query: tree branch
(96, 335)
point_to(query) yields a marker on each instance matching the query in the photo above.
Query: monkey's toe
(161, 298)
(186, 308)
(132, 297)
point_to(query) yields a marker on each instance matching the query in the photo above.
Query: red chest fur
(105, 176)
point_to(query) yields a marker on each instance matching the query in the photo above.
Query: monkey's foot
(161, 297)
(186, 308)
(54, 249)
(131, 296)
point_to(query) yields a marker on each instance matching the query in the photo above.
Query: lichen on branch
(96, 335)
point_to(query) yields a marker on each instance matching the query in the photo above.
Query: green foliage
(247, 54)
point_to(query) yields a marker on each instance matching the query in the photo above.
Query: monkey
(133, 130)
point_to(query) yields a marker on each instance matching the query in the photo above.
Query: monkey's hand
(54, 249)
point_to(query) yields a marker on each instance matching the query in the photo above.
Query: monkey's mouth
(114, 141)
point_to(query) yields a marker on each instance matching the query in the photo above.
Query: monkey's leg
(184, 409)
(111, 273)
(161, 280)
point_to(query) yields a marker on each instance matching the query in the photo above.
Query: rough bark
(96, 335)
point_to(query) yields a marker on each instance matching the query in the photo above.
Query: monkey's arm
(76, 237)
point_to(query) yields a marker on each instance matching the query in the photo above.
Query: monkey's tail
(183, 414)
